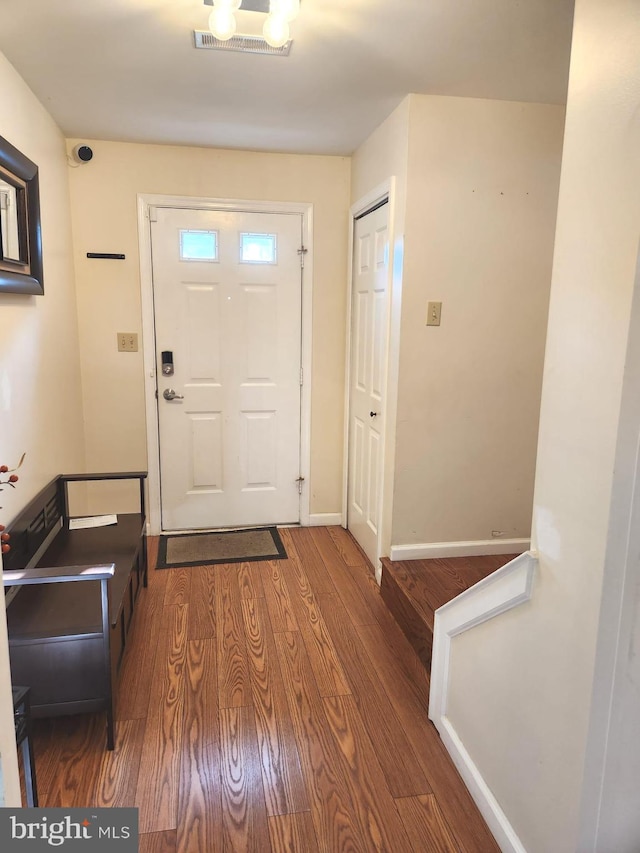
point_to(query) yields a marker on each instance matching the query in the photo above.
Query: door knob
(373, 414)
(170, 394)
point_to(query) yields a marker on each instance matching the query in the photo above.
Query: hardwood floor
(269, 707)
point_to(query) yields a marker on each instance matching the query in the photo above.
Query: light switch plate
(434, 311)
(127, 342)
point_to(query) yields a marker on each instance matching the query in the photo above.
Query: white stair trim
(477, 548)
(506, 588)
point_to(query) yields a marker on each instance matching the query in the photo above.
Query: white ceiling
(127, 69)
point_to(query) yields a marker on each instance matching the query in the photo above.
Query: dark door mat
(225, 546)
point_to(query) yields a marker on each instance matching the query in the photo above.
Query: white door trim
(385, 190)
(147, 201)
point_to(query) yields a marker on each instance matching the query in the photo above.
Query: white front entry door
(227, 304)
(367, 377)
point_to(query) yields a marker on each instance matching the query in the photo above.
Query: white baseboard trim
(506, 588)
(325, 519)
(487, 804)
(479, 548)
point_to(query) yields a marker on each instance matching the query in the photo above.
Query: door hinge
(300, 481)
(301, 375)
(153, 213)
(302, 251)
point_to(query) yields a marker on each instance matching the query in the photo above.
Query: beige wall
(383, 154)
(103, 195)
(522, 685)
(481, 203)
(40, 406)
(40, 402)
(477, 185)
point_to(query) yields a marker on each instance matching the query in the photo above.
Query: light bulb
(276, 30)
(288, 9)
(232, 5)
(222, 23)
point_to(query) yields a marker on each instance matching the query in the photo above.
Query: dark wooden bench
(71, 617)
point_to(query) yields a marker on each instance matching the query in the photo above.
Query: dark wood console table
(22, 716)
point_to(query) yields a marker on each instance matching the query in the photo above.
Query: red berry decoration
(11, 480)
(4, 540)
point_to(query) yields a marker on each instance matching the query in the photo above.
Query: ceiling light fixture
(276, 27)
(222, 20)
(276, 30)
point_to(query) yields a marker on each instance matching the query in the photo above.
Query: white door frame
(145, 202)
(383, 191)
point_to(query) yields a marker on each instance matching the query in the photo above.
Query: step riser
(414, 628)
(414, 589)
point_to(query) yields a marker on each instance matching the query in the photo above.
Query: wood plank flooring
(269, 707)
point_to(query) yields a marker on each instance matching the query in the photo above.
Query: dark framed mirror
(20, 232)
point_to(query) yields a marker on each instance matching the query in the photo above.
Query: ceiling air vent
(240, 44)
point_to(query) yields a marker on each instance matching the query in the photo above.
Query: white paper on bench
(92, 521)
